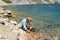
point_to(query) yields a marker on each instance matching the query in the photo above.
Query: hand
(28, 31)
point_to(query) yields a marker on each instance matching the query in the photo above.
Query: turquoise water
(46, 16)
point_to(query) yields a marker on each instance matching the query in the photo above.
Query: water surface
(45, 16)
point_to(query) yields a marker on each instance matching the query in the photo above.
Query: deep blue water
(41, 13)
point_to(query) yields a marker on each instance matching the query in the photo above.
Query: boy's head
(29, 19)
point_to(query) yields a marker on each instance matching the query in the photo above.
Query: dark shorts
(23, 28)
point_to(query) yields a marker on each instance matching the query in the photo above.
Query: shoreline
(2, 3)
(24, 4)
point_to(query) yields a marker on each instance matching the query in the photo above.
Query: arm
(24, 27)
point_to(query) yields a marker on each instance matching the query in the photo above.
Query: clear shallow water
(46, 16)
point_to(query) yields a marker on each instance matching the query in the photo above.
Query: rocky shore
(9, 29)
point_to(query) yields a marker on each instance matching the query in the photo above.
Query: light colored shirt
(23, 23)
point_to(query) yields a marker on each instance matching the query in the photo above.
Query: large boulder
(23, 35)
(7, 34)
(7, 13)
